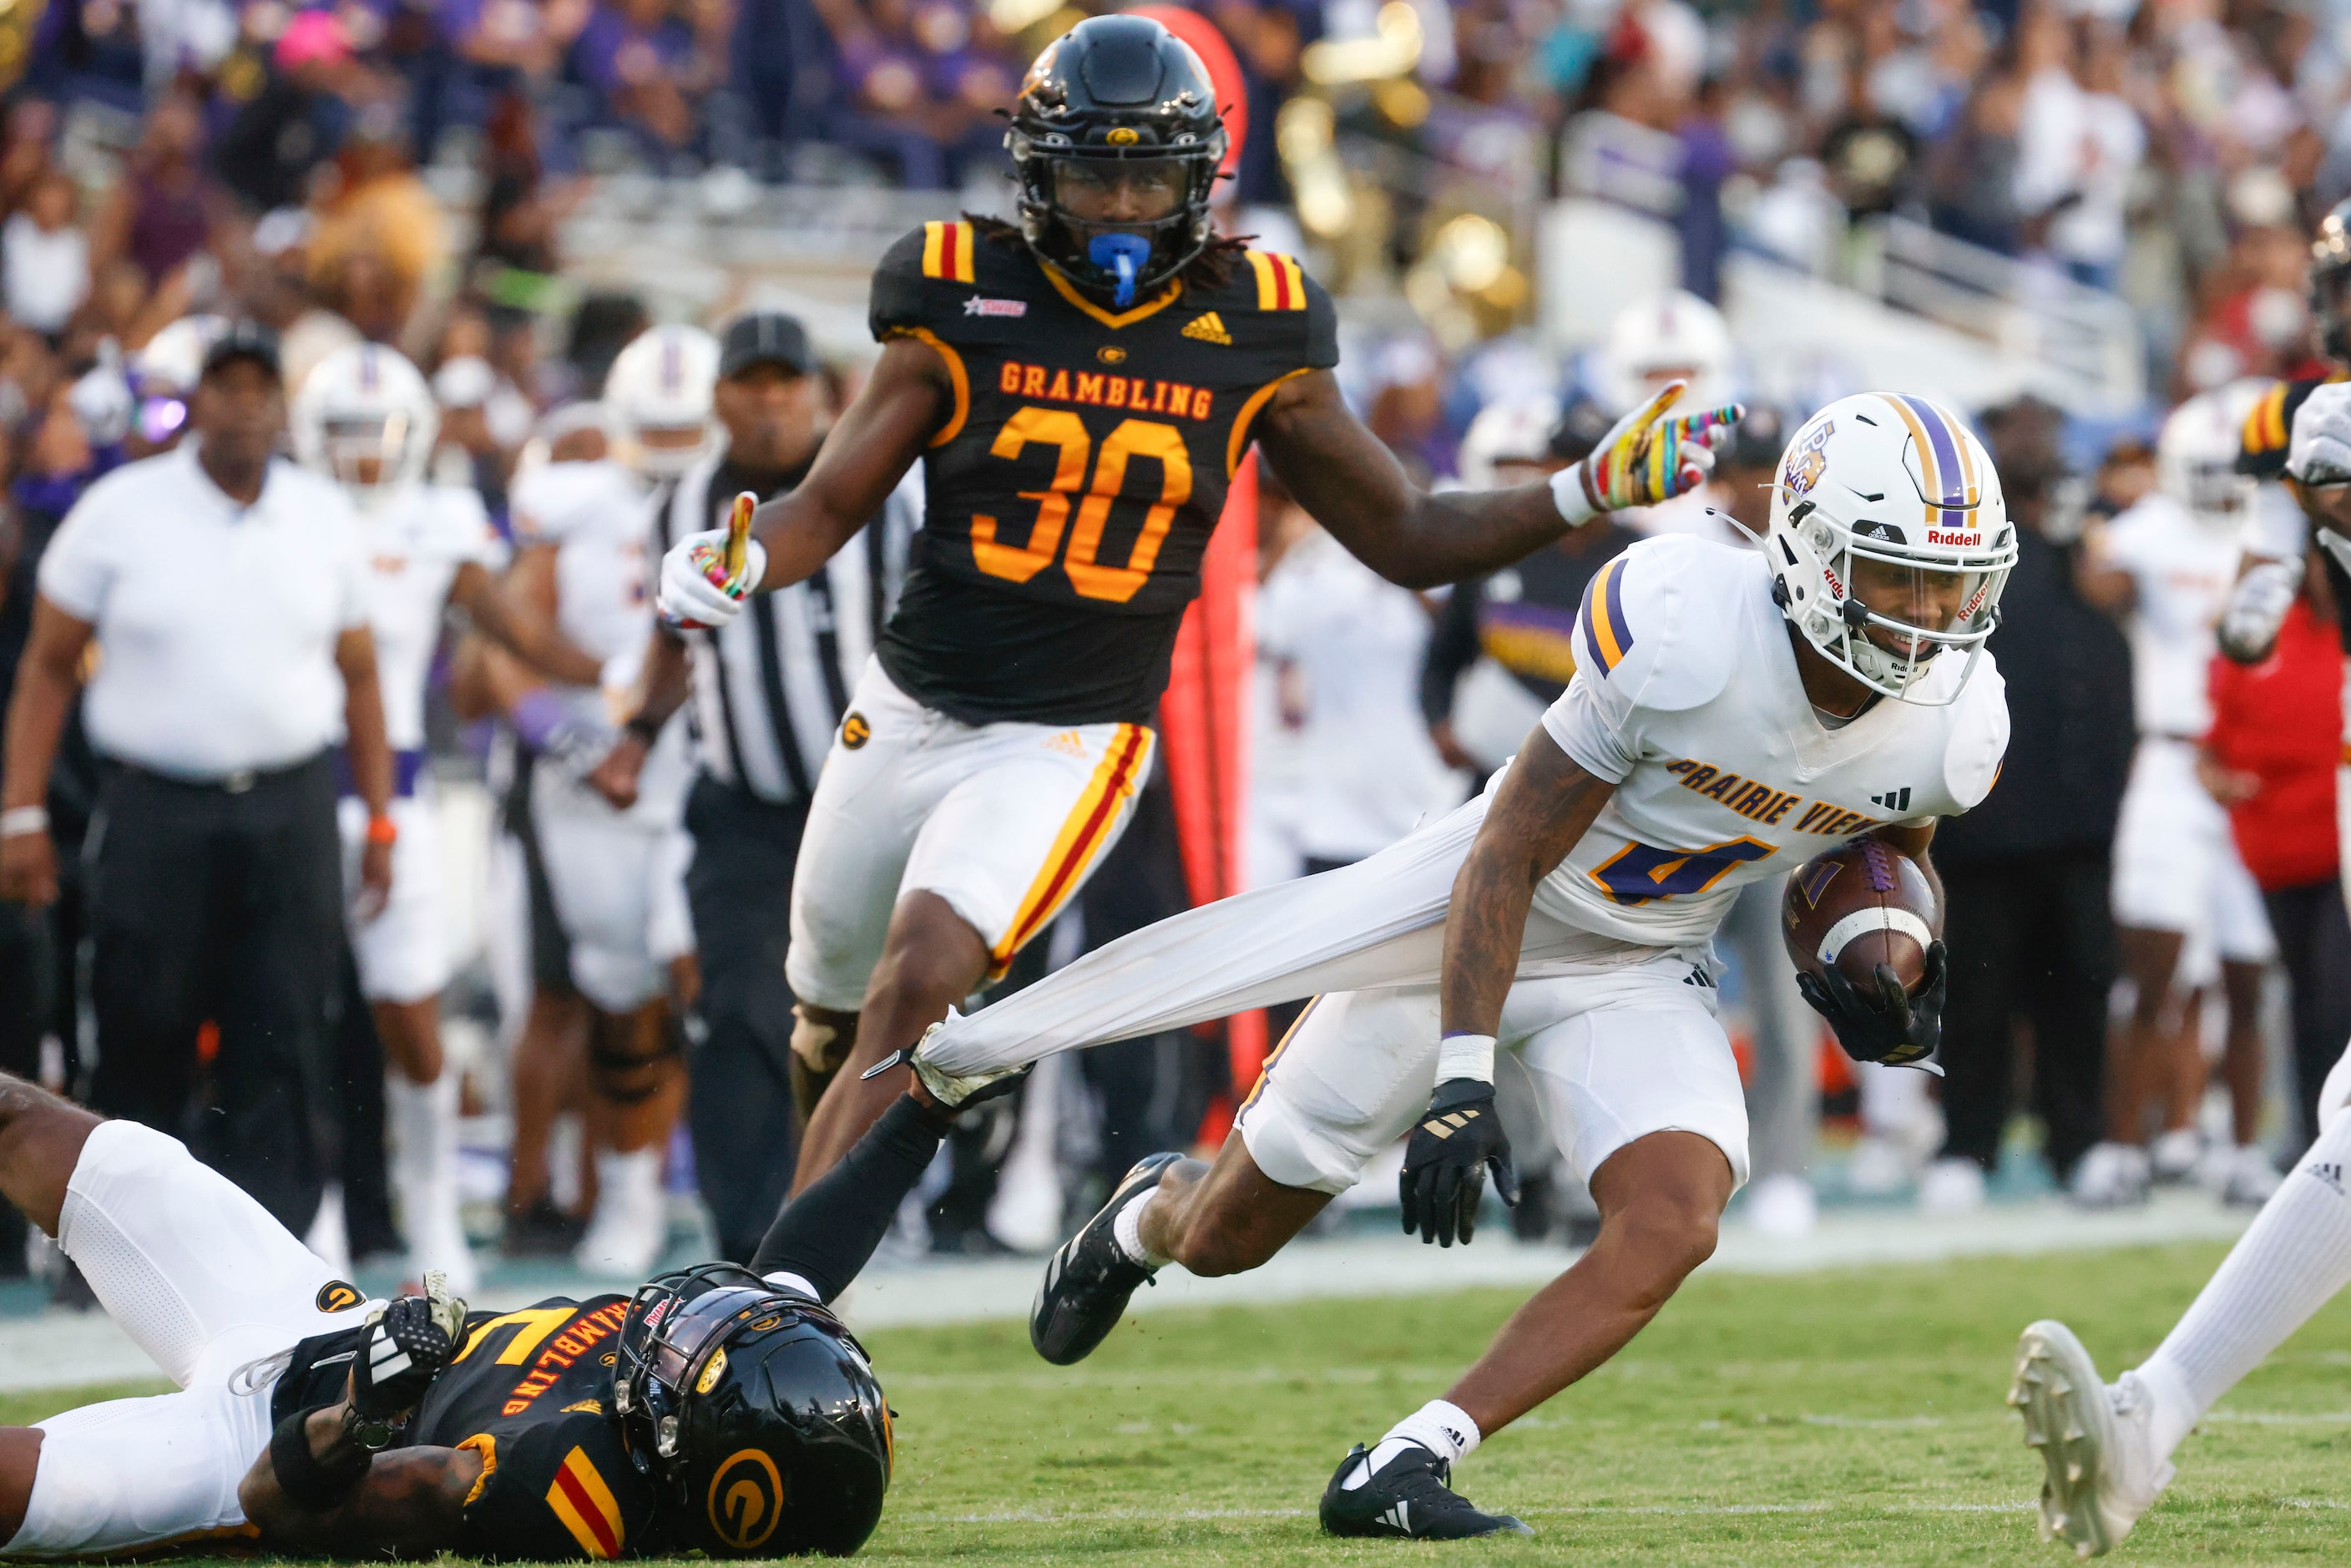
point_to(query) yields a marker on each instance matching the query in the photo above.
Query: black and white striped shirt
(769, 689)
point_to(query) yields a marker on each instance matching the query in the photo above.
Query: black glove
(1893, 1027)
(405, 1348)
(1445, 1163)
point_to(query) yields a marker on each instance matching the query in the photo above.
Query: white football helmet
(1673, 336)
(365, 406)
(1889, 540)
(659, 394)
(2196, 454)
(1517, 431)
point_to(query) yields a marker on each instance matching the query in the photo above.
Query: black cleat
(1088, 1281)
(1408, 1500)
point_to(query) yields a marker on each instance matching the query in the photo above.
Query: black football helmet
(756, 1413)
(2330, 283)
(1116, 96)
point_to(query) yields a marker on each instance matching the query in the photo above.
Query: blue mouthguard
(1122, 254)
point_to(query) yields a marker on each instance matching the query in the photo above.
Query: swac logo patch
(747, 1499)
(854, 731)
(339, 1296)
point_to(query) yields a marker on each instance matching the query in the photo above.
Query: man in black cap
(768, 692)
(226, 588)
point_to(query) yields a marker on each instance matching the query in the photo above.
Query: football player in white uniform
(2107, 1446)
(366, 419)
(2181, 892)
(1732, 713)
(581, 531)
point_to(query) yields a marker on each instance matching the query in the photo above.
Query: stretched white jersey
(416, 542)
(2183, 570)
(600, 516)
(1687, 696)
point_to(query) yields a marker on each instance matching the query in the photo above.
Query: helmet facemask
(1888, 612)
(1115, 220)
(372, 454)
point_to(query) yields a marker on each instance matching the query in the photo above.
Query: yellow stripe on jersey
(1265, 1070)
(1237, 443)
(1089, 826)
(484, 1444)
(1280, 281)
(586, 1506)
(1603, 607)
(2265, 426)
(946, 251)
(958, 380)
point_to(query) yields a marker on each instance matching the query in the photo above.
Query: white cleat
(2173, 1157)
(2112, 1175)
(2093, 1440)
(2251, 1180)
(1782, 1204)
(630, 1227)
(1954, 1185)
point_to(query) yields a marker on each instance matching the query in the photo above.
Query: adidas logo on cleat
(1208, 328)
(1399, 1518)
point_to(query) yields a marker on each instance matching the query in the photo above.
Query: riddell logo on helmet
(1966, 539)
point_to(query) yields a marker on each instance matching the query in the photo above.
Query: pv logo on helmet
(1806, 460)
(747, 1499)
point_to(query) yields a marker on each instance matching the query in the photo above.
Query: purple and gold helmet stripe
(1947, 468)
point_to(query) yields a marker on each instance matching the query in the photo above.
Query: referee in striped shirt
(767, 691)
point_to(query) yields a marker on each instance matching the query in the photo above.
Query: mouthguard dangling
(1122, 254)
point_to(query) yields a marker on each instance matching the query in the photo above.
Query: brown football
(1858, 906)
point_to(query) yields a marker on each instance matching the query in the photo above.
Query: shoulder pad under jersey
(1977, 735)
(925, 276)
(1274, 294)
(1659, 621)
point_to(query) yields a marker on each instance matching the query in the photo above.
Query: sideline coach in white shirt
(225, 590)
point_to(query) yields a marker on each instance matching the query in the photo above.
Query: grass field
(1839, 1417)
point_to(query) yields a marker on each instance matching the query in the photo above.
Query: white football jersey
(600, 516)
(2183, 569)
(1686, 694)
(416, 542)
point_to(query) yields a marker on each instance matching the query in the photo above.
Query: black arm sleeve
(827, 1233)
(1452, 648)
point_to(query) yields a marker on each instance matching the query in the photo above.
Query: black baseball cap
(245, 340)
(764, 338)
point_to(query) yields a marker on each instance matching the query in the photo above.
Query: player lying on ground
(1081, 390)
(720, 1408)
(2109, 1446)
(1725, 719)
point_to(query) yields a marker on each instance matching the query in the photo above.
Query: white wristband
(22, 821)
(1567, 495)
(1466, 1056)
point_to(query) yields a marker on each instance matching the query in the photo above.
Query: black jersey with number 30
(1075, 479)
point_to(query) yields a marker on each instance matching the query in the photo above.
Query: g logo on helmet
(747, 1499)
(1124, 136)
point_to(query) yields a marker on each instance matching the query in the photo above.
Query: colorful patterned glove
(1648, 457)
(695, 592)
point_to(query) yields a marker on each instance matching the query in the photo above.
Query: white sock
(2292, 1262)
(424, 1127)
(1127, 1231)
(1443, 1428)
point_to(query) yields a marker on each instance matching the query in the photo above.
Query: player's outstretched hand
(1651, 455)
(1891, 1026)
(407, 1344)
(951, 1091)
(695, 590)
(1459, 1140)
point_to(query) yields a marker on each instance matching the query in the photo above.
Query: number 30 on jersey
(1064, 431)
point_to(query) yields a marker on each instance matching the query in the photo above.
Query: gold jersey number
(1066, 432)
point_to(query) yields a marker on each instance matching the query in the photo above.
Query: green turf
(1839, 1417)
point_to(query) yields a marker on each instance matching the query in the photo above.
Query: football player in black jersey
(719, 1409)
(1080, 388)
(2278, 550)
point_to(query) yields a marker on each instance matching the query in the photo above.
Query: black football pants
(739, 1081)
(2031, 940)
(2314, 940)
(208, 904)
